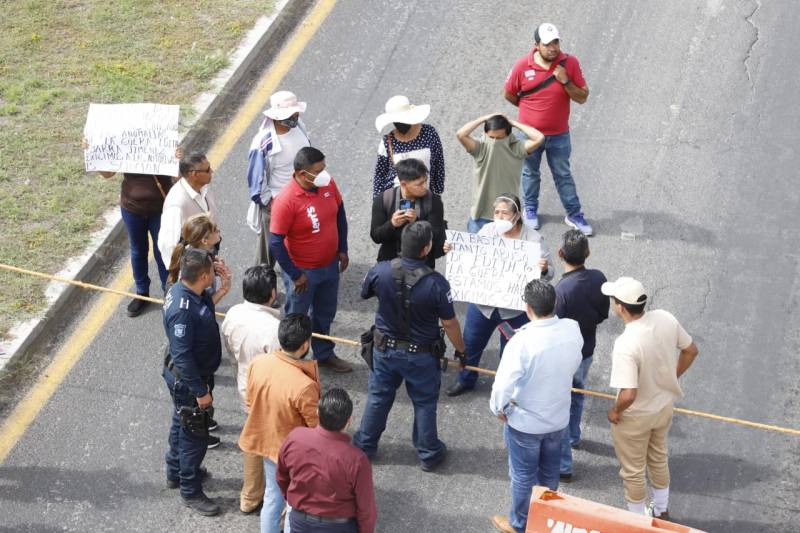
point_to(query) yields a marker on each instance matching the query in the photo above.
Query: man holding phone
(399, 206)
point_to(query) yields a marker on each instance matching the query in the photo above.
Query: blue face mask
(290, 122)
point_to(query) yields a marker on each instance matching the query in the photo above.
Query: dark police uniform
(399, 355)
(195, 351)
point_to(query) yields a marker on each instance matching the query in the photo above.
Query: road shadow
(712, 473)
(413, 515)
(99, 488)
(483, 461)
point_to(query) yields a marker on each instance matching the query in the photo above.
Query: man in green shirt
(498, 161)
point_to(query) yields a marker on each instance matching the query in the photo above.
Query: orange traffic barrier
(554, 512)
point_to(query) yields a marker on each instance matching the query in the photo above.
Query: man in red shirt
(325, 479)
(542, 84)
(308, 237)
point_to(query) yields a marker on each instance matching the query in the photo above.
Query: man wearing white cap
(542, 84)
(409, 139)
(648, 358)
(271, 163)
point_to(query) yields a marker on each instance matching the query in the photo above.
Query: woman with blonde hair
(200, 231)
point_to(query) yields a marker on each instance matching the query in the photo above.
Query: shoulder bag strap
(547, 81)
(160, 188)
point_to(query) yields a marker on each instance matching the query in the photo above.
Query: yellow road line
(73, 349)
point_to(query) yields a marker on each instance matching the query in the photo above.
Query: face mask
(322, 179)
(502, 225)
(215, 248)
(402, 128)
(290, 122)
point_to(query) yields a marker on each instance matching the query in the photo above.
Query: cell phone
(506, 330)
(406, 204)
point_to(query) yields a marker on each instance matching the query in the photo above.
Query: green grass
(57, 56)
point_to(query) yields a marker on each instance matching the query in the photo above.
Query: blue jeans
(423, 378)
(138, 227)
(274, 504)
(301, 524)
(558, 149)
(475, 225)
(573, 433)
(532, 460)
(319, 301)
(186, 452)
(478, 331)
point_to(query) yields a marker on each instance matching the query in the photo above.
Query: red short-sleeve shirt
(546, 110)
(308, 219)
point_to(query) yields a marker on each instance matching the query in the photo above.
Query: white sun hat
(399, 109)
(284, 104)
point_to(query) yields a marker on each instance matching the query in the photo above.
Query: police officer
(408, 345)
(194, 355)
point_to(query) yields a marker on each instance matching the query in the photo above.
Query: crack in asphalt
(748, 54)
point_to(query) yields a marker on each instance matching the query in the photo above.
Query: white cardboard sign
(491, 270)
(136, 138)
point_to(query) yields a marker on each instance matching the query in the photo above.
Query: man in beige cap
(271, 163)
(648, 358)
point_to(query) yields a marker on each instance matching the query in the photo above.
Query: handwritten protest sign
(136, 138)
(491, 270)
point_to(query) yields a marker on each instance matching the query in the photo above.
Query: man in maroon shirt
(325, 479)
(542, 84)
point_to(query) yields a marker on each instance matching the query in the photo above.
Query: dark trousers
(138, 228)
(301, 524)
(478, 330)
(423, 378)
(263, 257)
(186, 451)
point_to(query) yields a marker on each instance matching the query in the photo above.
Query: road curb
(108, 243)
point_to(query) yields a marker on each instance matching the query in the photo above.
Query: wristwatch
(565, 83)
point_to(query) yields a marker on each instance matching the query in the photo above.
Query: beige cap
(626, 290)
(284, 104)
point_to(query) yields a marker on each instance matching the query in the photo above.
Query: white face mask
(322, 179)
(502, 225)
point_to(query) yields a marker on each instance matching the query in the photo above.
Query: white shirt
(249, 330)
(534, 378)
(172, 218)
(282, 163)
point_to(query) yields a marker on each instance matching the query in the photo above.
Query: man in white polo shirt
(648, 358)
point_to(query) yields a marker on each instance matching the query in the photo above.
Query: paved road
(690, 132)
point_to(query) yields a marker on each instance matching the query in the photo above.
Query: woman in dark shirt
(141, 200)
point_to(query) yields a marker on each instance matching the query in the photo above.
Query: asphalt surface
(688, 139)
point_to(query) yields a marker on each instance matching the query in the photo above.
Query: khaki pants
(640, 441)
(253, 482)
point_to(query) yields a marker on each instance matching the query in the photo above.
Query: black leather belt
(321, 519)
(384, 341)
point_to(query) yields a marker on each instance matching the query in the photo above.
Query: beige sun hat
(284, 104)
(399, 109)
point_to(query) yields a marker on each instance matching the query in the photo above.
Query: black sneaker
(202, 504)
(136, 306)
(213, 441)
(565, 478)
(175, 483)
(457, 389)
(212, 425)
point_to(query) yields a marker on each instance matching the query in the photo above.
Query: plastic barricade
(554, 512)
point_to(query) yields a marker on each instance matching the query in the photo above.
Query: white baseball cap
(626, 290)
(284, 104)
(399, 109)
(547, 33)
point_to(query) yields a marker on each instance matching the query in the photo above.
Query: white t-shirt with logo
(282, 163)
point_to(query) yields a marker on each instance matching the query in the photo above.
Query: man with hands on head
(498, 159)
(308, 237)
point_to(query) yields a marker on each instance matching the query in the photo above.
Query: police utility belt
(169, 364)
(404, 280)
